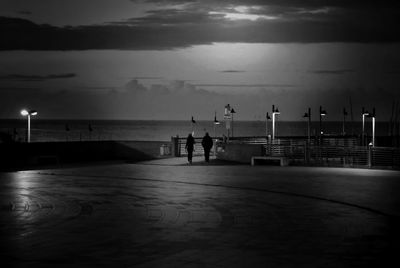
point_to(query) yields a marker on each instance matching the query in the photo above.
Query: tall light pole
(267, 117)
(28, 113)
(344, 121)
(216, 122)
(373, 126)
(232, 112)
(227, 117)
(321, 114)
(308, 115)
(364, 114)
(274, 113)
(192, 124)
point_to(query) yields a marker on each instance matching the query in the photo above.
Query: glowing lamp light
(25, 112)
(28, 114)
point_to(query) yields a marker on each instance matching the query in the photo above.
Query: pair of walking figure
(206, 142)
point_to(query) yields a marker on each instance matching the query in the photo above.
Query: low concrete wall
(238, 152)
(137, 150)
(21, 155)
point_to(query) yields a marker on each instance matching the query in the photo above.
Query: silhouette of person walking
(207, 144)
(190, 147)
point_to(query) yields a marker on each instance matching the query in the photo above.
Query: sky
(159, 59)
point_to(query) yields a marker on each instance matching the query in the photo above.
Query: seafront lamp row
(364, 114)
(28, 113)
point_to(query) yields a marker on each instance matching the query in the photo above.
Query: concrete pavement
(166, 213)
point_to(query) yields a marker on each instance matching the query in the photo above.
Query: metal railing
(385, 157)
(348, 156)
(328, 151)
(198, 149)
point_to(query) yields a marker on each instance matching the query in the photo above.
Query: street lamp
(227, 117)
(308, 115)
(373, 126)
(216, 122)
(267, 117)
(274, 113)
(29, 113)
(193, 122)
(232, 112)
(364, 114)
(321, 114)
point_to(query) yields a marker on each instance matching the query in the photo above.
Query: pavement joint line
(232, 187)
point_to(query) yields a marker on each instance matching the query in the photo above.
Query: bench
(283, 161)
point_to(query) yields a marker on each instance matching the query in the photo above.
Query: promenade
(166, 213)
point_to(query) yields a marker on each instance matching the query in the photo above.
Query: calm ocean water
(143, 130)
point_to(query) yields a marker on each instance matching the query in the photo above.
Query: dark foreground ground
(165, 213)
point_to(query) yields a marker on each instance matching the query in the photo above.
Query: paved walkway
(166, 213)
(182, 161)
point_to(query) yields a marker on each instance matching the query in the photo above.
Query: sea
(162, 130)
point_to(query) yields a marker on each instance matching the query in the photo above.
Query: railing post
(369, 156)
(175, 146)
(307, 152)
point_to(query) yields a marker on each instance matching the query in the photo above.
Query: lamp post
(321, 114)
(227, 118)
(232, 112)
(274, 113)
(216, 122)
(364, 114)
(267, 117)
(29, 113)
(373, 126)
(192, 124)
(308, 115)
(344, 121)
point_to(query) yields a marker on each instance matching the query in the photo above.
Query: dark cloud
(19, 89)
(232, 71)
(393, 72)
(333, 72)
(306, 3)
(206, 22)
(148, 77)
(165, 17)
(283, 6)
(35, 78)
(24, 12)
(245, 85)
